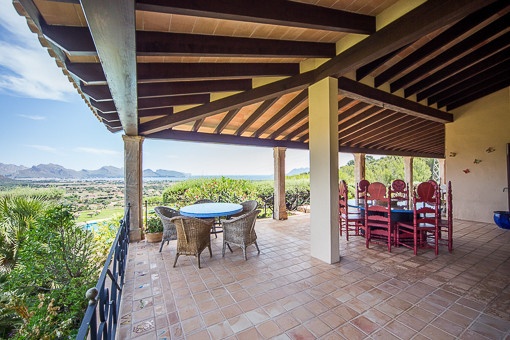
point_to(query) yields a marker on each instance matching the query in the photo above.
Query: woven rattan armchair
(169, 231)
(216, 224)
(247, 207)
(240, 231)
(193, 236)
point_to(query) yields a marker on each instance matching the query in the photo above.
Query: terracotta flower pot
(154, 237)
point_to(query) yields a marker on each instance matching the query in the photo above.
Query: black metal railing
(100, 320)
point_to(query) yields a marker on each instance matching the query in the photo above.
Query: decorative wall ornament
(466, 171)
(477, 161)
(453, 154)
(490, 149)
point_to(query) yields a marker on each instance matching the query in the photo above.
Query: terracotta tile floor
(283, 293)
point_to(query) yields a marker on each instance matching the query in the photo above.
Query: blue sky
(44, 120)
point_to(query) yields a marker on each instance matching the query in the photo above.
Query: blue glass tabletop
(207, 210)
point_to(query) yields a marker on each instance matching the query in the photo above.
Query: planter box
(154, 237)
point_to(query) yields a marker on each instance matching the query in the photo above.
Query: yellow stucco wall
(477, 126)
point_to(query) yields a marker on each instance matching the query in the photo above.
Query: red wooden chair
(399, 193)
(350, 219)
(425, 223)
(446, 225)
(378, 215)
(362, 188)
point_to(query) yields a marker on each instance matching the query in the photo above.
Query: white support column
(133, 186)
(323, 123)
(280, 208)
(408, 172)
(359, 167)
(442, 171)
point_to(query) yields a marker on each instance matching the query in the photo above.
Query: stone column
(280, 208)
(359, 167)
(408, 173)
(133, 183)
(323, 123)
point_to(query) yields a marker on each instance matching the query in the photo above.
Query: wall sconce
(490, 149)
(477, 161)
(453, 154)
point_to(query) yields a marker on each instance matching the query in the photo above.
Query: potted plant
(154, 229)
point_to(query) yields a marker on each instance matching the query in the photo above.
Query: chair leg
(198, 259)
(244, 252)
(161, 247)
(228, 245)
(176, 257)
(257, 246)
(223, 250)
(210, 250)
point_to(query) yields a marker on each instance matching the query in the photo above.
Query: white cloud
(95, 151)
(43, 148)
(32, 117)
(29, 70)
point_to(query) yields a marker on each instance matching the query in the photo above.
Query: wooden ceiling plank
(224, 122)
(440, 40)
(469, 59)
(365, 70)
(150, 72)
(476, 82)
(444, 58)
(89, 73)
(103, 106)
(224, 139)
(147, 103)
(401, 131)
(369, 126)
(349, 149)
(179, 44)
(112, 25)
(479, 93)
(416, 134)
(291, 105)
(464, 75)
(378, 133)
(293, 121)
(353, 111)
(274, 12)
(97, 92)
(387, 100)
(162, 89)
(423, 20)
(76, 41)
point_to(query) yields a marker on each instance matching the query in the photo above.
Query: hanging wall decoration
(466, 171)
(490, 149)
(477, 161)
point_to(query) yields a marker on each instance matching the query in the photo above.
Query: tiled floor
(284, 293)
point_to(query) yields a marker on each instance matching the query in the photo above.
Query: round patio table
(208, 210)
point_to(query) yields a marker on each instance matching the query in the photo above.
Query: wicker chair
(193, 236)
(240, 231)
(248, 206)
(169, 232)
(216, 227)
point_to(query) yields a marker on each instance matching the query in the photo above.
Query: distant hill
(55, 171)
(298, 171)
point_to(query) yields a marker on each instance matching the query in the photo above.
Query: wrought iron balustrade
(100, 320)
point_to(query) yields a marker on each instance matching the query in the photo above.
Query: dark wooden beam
(112, 24)
(104, 106)
(368, 126)
(89, 73)
(291, 105)
(76, 41)
(381, 130)
(365, 70)
(160, 111)
(263, 107)
(297, 131)
(387, 100)
(478, 92)
(224, 139)
(147, 103)
(363, 116)
(150, 72)
(179, 44)
(444, 58)
(464, 75)
(162, 89)
(421, 21)
(440, 40)
(459, 64)
(353, 111)
(349, 149)
(224, 122)
(197, 125)
(97, 92)
(292, 122)
(274, 12)
(109, 117)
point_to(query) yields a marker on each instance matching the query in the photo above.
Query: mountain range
(55, 171)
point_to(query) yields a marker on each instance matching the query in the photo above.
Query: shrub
(154, 225)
